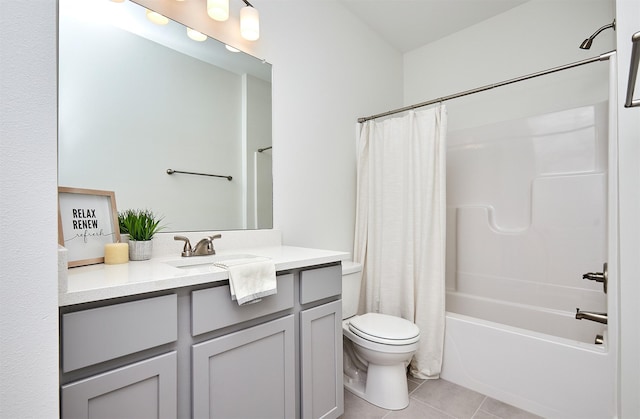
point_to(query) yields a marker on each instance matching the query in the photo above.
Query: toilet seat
(384, 329)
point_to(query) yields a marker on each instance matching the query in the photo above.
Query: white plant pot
(140, 250)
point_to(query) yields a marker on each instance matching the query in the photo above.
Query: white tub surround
(100, 282)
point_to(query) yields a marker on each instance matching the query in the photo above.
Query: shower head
(586, 44)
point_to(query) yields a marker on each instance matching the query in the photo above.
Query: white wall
(535, 36)
(328, 70)
(28, 219)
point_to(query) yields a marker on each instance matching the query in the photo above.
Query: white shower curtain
(400, 226)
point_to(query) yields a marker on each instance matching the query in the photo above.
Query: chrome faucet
(593, 316)
(203, 248)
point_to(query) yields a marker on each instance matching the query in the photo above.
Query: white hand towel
(250, 279)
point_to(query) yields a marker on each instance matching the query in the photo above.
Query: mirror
(137, 99)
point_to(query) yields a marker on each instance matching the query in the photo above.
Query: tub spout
(590, 315)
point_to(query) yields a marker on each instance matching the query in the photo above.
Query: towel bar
(633, 71)
(171, 171)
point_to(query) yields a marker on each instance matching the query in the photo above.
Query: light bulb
(249, 23)
(157, 18)
(218, 9)
(195, 35)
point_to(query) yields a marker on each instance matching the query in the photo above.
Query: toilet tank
(351, 281)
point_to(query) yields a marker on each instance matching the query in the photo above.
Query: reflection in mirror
(137, 99)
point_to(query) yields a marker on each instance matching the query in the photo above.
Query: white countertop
(100, 282)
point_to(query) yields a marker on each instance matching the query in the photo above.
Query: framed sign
(87, 220)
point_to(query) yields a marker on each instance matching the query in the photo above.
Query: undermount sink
(197, 261)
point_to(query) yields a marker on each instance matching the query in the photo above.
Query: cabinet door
(246, 374)
(142, 390)
(321, 361)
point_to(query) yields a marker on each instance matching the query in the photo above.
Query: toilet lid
(386, 329)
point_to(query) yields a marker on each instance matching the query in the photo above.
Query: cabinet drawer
(213, 309)
(316, 284)
(100, 334)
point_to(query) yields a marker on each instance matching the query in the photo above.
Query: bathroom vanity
(157, 339)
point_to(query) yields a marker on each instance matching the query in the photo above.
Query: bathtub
(547, 375)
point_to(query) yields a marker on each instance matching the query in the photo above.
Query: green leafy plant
(140, 225)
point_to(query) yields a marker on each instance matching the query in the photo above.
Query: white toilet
(377, 348)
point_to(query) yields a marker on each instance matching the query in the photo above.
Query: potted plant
(140, 225)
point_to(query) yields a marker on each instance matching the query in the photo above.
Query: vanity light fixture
(249, 18)
(156, 17)
(230, 48)
(195, 35)
(218, 9)
(249, 22)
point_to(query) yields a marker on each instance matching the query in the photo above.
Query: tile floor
(437, 399)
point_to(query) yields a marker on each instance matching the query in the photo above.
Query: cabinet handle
(633, 71)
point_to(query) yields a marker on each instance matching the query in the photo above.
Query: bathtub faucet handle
(594, 276)
(601, 277)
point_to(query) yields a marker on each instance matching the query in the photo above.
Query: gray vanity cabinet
(246, 374)
(192, 352)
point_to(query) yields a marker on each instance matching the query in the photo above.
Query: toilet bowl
(377, 349)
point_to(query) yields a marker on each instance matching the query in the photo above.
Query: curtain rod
(602, 57)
